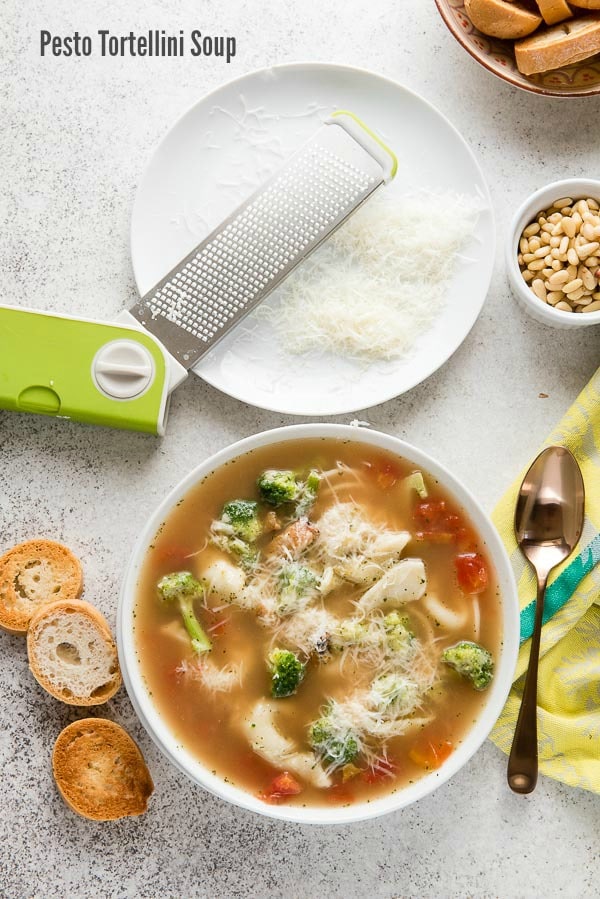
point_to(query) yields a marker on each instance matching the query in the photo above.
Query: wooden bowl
(579, 80)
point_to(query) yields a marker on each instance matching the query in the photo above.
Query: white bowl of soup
(319, 624)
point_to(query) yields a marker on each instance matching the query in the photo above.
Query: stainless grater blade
(255, 248)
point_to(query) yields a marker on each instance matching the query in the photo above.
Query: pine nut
(570, 286)
(593, 307)
(587, 249)
(569, 227)
(564, 201)
(588, 231)
(532, 229)
(574, 295)
(539, 289)
(554, 297)
(559, 279)
(563, 306)
(536, 266)
(588, 279)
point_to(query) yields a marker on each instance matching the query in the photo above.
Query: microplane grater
(121, 374)
(250, 253)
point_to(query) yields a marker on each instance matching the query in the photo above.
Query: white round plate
(226, 145)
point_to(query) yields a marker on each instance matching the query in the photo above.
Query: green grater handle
(104, 374)
(370, 141)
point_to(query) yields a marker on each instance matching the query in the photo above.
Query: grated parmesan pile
(374, 287)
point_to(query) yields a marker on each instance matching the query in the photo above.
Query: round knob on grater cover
(123, 369)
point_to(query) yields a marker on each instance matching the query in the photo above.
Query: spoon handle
(522, 770)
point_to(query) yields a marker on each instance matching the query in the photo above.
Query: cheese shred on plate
(379, 282)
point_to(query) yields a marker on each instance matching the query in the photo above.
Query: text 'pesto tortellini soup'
(317, 621)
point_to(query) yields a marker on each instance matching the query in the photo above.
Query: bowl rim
(193, 768)
(505, 75)
(531, 205)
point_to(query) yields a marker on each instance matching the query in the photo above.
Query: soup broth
(337, 588)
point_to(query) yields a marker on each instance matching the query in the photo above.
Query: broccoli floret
(390, 633)
(350, 632)
(242, 516)
(397, 634)
(393, 692)
(296, 582)
(287, 672)
(337, 746)
(472, 661)
(236, 529)
(247, 555)
(182, 588)
(308, 493)
(278, 487)
(299, 577)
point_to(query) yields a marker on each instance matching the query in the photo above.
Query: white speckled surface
(75, 137)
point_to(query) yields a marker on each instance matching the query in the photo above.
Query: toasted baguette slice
(100, 771)
(72, 653)
(502, 18)
(559, 46)
(34, 573)
(554, 11)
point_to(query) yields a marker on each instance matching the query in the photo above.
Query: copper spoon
(548, 524)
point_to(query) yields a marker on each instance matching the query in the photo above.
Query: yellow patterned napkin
(569, 673)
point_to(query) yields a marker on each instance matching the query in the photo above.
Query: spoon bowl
(548, 524)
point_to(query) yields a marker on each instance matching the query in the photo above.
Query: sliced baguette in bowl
(554, 11)
(100, 772)
(72, 653)
(33, 574)
(560, 45)
(506, 19)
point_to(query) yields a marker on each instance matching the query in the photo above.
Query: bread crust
(100, 771)
(554, 11)
(34, 635)
(560, 45)
(18, 601)
(505, 19)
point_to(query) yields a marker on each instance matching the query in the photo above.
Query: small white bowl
(577, 188)
(178, 755)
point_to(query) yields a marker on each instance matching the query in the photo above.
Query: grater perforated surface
(254, 249)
